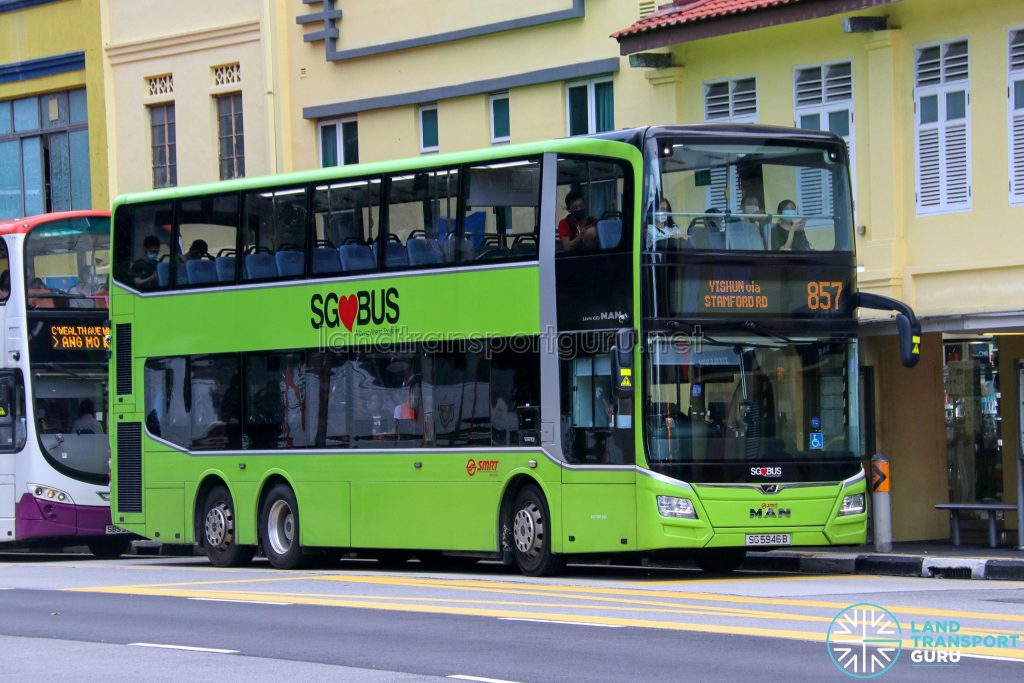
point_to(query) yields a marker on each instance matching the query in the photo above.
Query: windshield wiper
(762, 331)
(67, 371)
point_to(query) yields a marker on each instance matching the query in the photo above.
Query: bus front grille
(129, 467)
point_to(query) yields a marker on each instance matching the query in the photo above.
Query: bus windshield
(749, 399)
(747, 195)
(67, 264)
(70, 411)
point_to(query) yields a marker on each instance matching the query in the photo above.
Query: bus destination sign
(701, 291)
(71, 337)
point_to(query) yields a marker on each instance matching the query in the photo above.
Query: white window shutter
(957, 181)
(1017, 156)
(929, 169)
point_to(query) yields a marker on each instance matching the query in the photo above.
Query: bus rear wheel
(721, 561)
(279, 528)
(531, 534)
(109, 548)
(219, 531)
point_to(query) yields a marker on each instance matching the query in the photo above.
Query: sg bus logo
(361, 308)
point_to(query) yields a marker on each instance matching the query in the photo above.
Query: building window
(729, 100)
(165, 164)
(591, 106)
(500, 127)
(428, 128)
(230, 136)
(823, 100)
(733, 100)
(339, 143)
(44, 154)
(941, 112)
(1016, 95)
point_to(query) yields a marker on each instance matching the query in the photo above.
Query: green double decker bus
(638, 343)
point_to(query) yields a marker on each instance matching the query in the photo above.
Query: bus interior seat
(225, 268)
(445, 227)
(326, 260)
(395, 255)
(743, 235)
(201, 271)
(524, 245)
(424, 252)
(163, 273)
(356, 257)
(60, 283)
(290, 263)
(703, 237)
(260, 265)
(474, 225)
(609, 232)
(460, 249)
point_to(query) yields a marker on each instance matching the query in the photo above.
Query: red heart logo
(348, 306)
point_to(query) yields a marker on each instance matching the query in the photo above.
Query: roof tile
(693, 11)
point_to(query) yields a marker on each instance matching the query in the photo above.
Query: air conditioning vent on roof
(648, 7)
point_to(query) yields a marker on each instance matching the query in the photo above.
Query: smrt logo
(332, 310)
(473, 466)
(774, 472)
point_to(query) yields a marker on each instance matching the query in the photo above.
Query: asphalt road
(73, 618)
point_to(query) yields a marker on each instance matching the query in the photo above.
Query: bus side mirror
(623, 380)
(910, 340)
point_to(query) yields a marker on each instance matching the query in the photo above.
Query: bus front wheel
(531, 534)
(110, 548)
(279, 528)
(219, 531)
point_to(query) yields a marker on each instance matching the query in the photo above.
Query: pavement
(933, 559)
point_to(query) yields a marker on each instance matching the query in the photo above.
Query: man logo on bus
(473, 466)
(361, 308)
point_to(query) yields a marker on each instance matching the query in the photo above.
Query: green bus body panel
(599, 516)
(167, 523)
(488, 303)
(737, 507)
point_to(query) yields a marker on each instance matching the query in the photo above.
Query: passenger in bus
(199, 249)
(577, 230)
(664, 230)
(143, 270)
(39, 295)
(5, 285)
(86, 422)
(788, 233)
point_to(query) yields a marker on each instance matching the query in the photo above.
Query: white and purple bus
(54, 452)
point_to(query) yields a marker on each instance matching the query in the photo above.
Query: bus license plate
(111, 529)
(768, 539)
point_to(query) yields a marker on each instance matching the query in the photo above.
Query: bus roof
(20, 226)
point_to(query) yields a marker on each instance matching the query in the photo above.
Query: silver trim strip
(847, 483)
(664, 479)
(781, 486)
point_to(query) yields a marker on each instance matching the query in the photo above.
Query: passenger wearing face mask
(788, 233)
(664, 228)
(144, 269)
(577, 230)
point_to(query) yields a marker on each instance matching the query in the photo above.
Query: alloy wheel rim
(280, 527)
(528, 530)
(219, 526)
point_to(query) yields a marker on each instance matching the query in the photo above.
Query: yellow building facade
(192, 93)
(53, 139)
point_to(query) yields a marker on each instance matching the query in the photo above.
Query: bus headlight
(669, 506)
(852, 505)
(48, 493)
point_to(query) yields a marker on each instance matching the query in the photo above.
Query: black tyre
(219, 531)
(392, 559)
(721, 561)
(110, 548)
(279, 528)
(531, 534)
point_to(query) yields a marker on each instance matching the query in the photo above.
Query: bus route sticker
(864, 640)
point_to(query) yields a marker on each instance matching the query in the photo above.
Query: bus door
(594, 294)
(12, 439)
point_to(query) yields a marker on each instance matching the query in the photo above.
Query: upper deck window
(786, 196)
(67, 263)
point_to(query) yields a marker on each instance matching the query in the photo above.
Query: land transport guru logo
(864, 640)
(349, 310)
